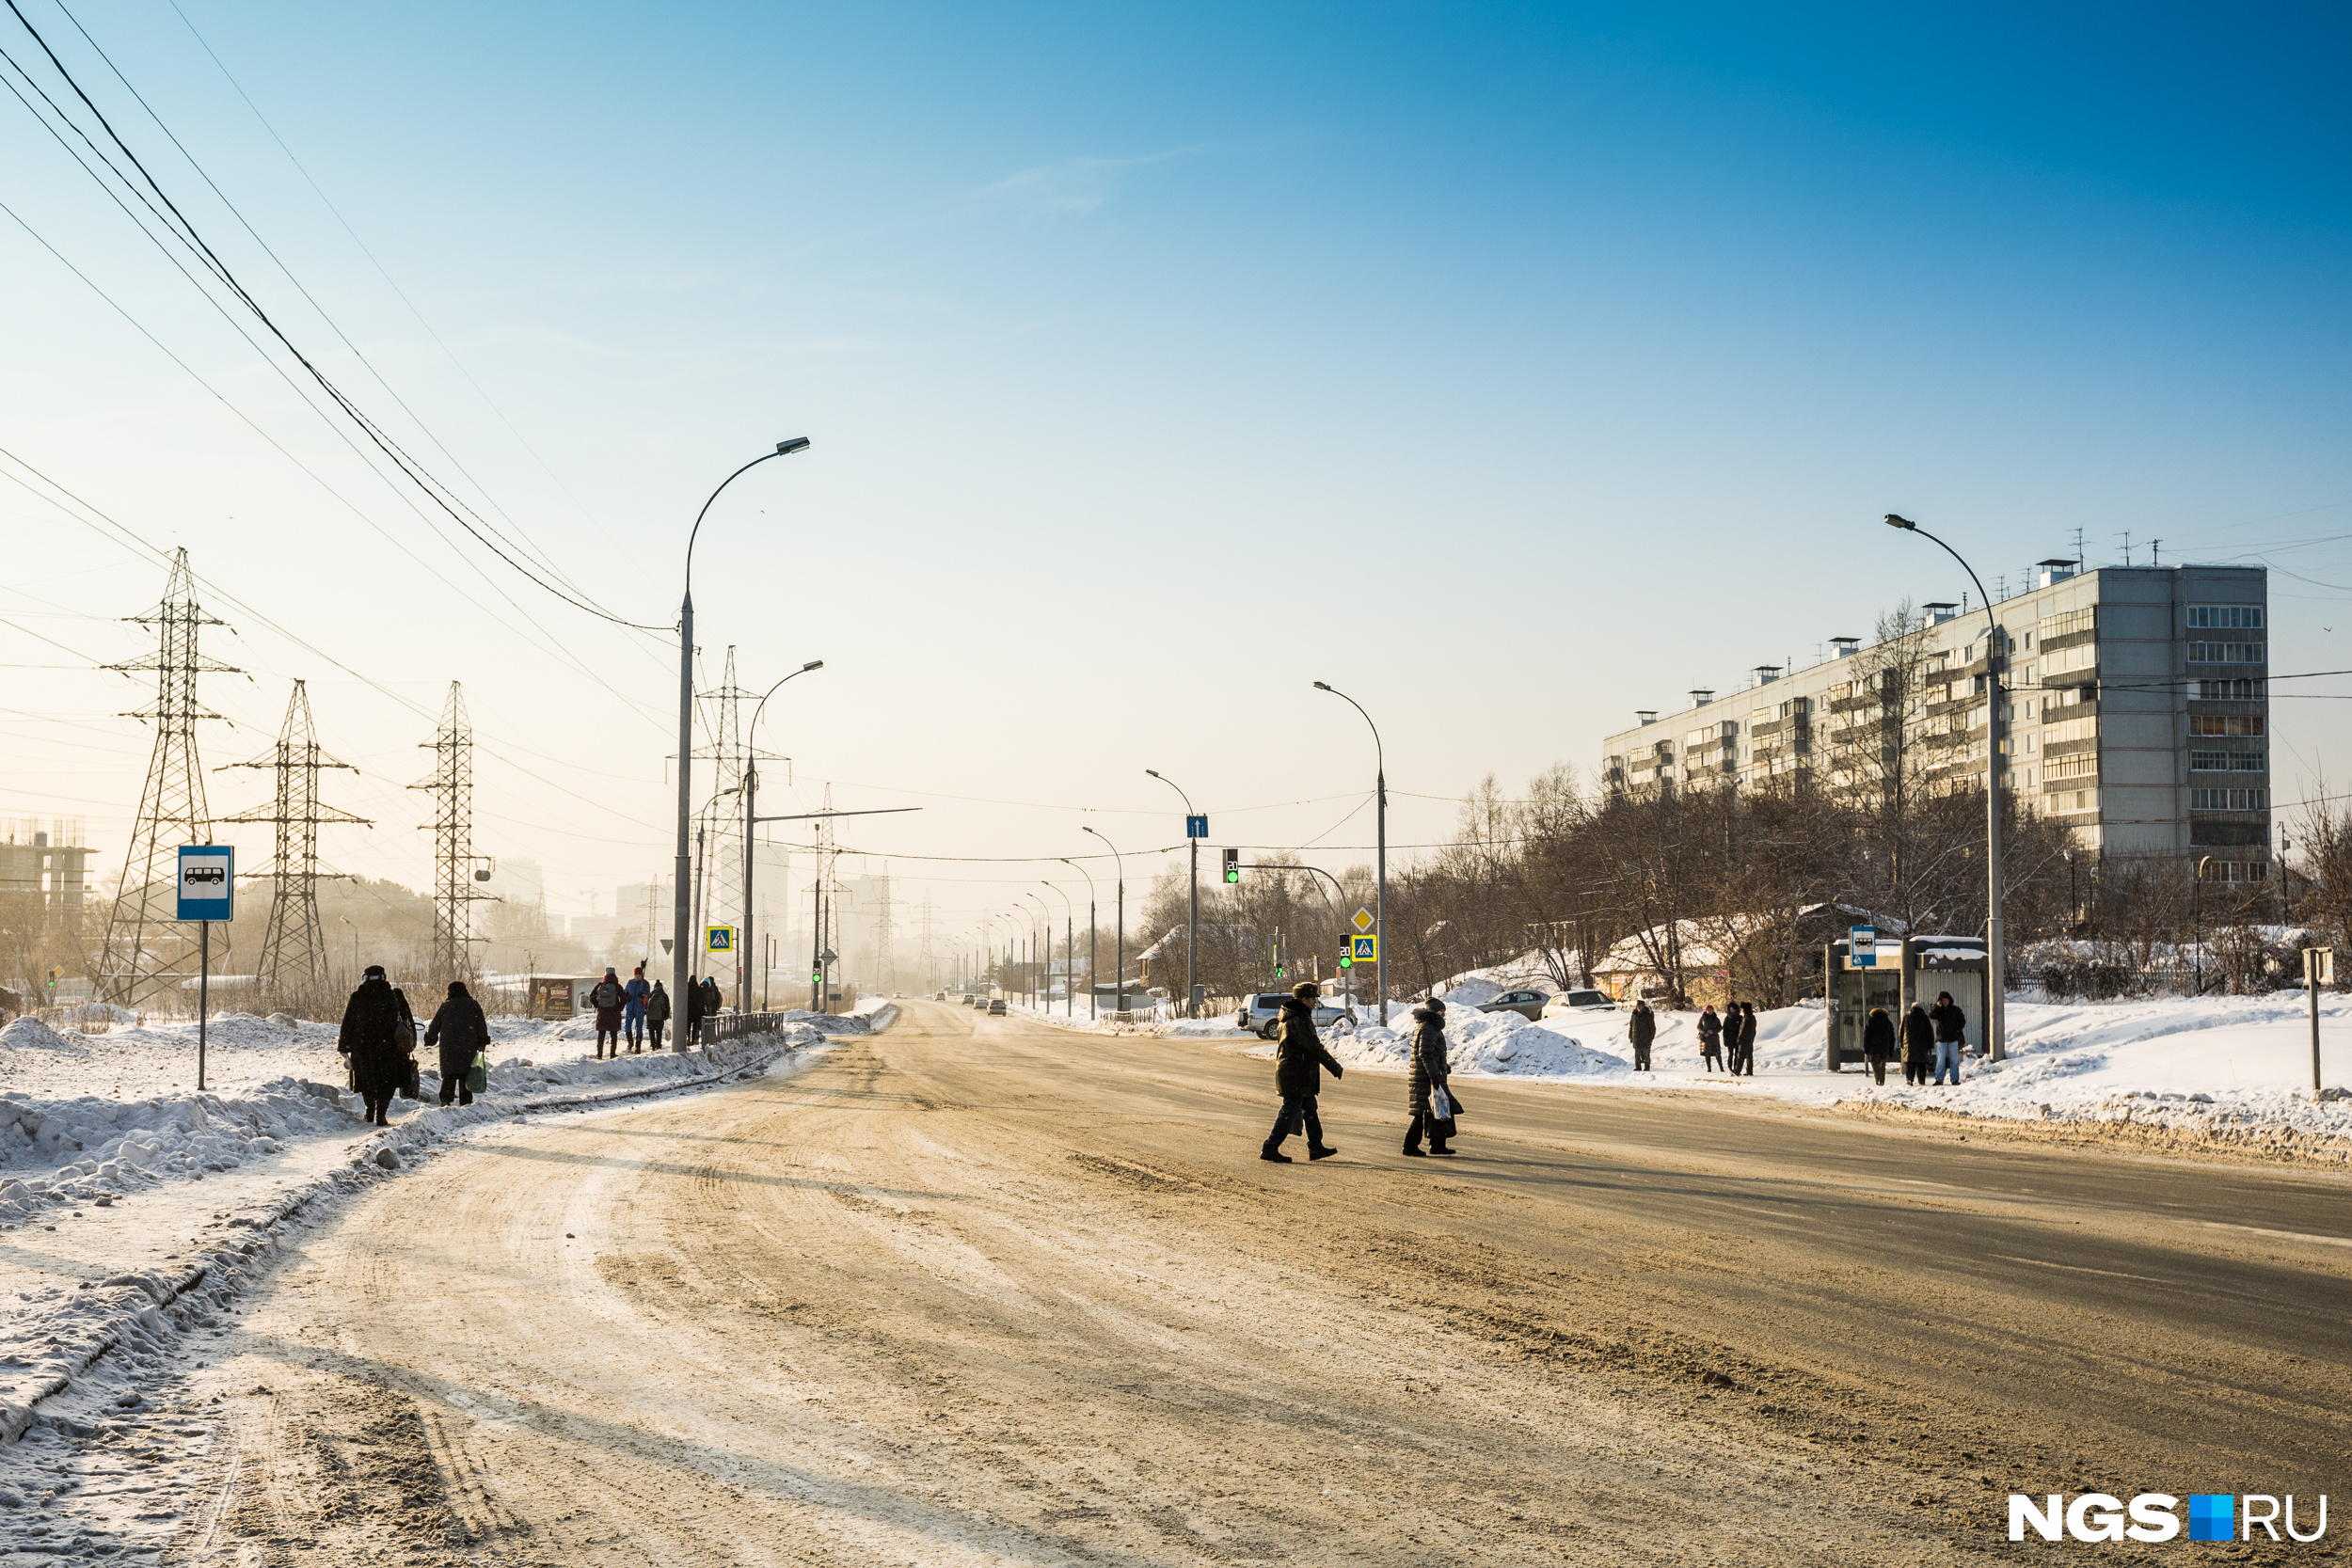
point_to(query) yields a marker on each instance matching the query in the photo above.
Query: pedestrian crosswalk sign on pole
(1364, 950)
(718, 939)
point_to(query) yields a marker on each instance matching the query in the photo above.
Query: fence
(728, 1026)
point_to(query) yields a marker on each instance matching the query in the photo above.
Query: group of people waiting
(1929, 1036)
(1301, 1059)
(1729, 1036)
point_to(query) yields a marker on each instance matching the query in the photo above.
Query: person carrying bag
(461, 1032)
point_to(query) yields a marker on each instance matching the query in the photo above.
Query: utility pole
(1380, 901)
(1196, 828)
(172, 808)
(1120, 862)
(452, 788)
(294, 944)
(1091, 923)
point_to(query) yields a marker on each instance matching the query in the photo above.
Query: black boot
(1272, 1148)
(1412, 1137)
(1320, 1151)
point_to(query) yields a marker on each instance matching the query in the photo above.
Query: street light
(1380, 904)
(1041, 1001)
(751, 806)
(1069, 951)
(1090, 925)
(1192, 942)
(1995, 659)
(681, 953)
(1122, 916)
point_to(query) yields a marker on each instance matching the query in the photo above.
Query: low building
(2138, 713)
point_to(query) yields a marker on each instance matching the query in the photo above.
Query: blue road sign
(1364, 950)
(1196, 826)
(1862, 947)
(208, 882)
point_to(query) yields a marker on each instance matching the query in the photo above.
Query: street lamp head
(1893, 522)
(1153, 771)
(812, 664)
(798, 443)
(1320, 686)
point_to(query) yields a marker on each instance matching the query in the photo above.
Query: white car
(1585, 1002)
(1262, 1017)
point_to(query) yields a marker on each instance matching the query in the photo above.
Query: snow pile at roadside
(1479, 1045)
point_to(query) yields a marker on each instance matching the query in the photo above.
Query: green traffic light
(1280, 974)
(1346, 962)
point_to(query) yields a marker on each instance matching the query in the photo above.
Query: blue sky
(1513, 367)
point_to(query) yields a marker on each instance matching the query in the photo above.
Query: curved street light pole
(1091, 923)
(1041, 1000)
(751, 807)
(1069, 946)
(681, 950)
(1192, 942)
(1995, 662)
(1380, 902)
(1121, 864)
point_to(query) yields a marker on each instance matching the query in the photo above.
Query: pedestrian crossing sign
(718, 939)
(1364, 950)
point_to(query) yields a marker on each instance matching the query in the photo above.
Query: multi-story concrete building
(2138, 713)
(52, 863)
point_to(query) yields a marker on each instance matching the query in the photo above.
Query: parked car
(1529, 1004)
(996, 1008)
(1262, 1015)
(941, 997)
(1578, 1002)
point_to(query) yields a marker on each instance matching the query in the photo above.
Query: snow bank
(1484, 1045)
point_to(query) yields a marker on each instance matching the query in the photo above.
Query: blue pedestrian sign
(208, 882)
(1364, 950)
(718, 939)
(1196, 826)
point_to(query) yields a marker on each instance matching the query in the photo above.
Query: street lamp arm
(753, 731)
(1990, 624)
(1177, 788)
(1379, 754)
(782, 448)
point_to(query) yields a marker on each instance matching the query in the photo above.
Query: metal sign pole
(205, 996)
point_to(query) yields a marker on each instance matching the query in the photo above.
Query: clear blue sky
(1513, 368)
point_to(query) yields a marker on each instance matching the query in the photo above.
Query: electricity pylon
(454, 870)
(886, 968)
(722, 818)
(293, 945)
(146, 953)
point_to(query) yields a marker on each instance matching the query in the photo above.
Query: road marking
(2281, 1235)
(2076, 1268)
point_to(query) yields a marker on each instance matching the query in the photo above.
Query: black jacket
(459, 1029)
(1950, 1022)
(1641, 1028)
(1710, 1029)
(1747, 1030)
(376, 1021)
(1299, 1060)
(1878, 1034)
(1430, 1068)
(658, 1008)
(1918, 1036)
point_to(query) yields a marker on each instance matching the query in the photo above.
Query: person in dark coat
(712, 1001)
(459, 1030)
(379, 1034)
(1951, 1027)
(1298, 1064)
(1743, 1059)
(1878, 1042)
(1642, 1028)
(1430, 1072)
(1711, 1038)
(656, 1013)
(633, 1011)
(608, 998)
(690, 1026)
(1918, 1045)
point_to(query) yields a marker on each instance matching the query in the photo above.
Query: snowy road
(977, 1292)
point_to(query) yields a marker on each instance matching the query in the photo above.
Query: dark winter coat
(1429, 1063)
(712, 998)
(608, 998)
(1747, 1030)
(1710, 1033)
(658, 1006)
(379, 1034)
(1878, 1035)
(694, 1002)
(1950, 1022)
(1641, 1028)
(459, 1029)
(1919, 1037)
(1299, 1060)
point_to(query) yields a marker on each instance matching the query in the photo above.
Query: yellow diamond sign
(1363, 920)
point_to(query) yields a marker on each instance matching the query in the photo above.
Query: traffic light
(1232, 866)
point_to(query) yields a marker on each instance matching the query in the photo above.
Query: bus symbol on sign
(1364, 950)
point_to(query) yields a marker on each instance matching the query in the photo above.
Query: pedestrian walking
(460, 1031)
(1951, 1027)
(1745, 1060)
(1711, 1038)
(633, 1009)
(1642, 1028)
(1431, 1075)
(689, 1028)
(712, 1003)
(379, 1034)
(1878, 1042)
(1918, 1045)
(1298, 1064)
(656, 1013)
(608, 998)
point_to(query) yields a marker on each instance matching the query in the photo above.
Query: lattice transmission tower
(147, 952)
(722, 816)
(885, 966)
(294, 944)
(454, 871)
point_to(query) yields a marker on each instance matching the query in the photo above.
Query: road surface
(975, 1292)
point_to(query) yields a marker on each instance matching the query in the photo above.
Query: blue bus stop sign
(208, 882)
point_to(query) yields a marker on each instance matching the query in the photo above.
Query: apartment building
(2137, 713)
(51, 864)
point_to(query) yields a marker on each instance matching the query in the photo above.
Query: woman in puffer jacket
(1429, 1072)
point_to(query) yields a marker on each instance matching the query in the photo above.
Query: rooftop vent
(1844, 645)
(1646, 715)
(2057, 569)
(1940, 610)
(1702, 695)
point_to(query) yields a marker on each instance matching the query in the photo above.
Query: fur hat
(1306, 991)
(373, 972)
(1434, 1005)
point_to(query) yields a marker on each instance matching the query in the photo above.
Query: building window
(2073, 767)
(2228, 762)
(2069, 623)
(2236, 871)
(2228, 653)
(2236, 690)
(2226, 617)
(2229, 799)
(2219, 723)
